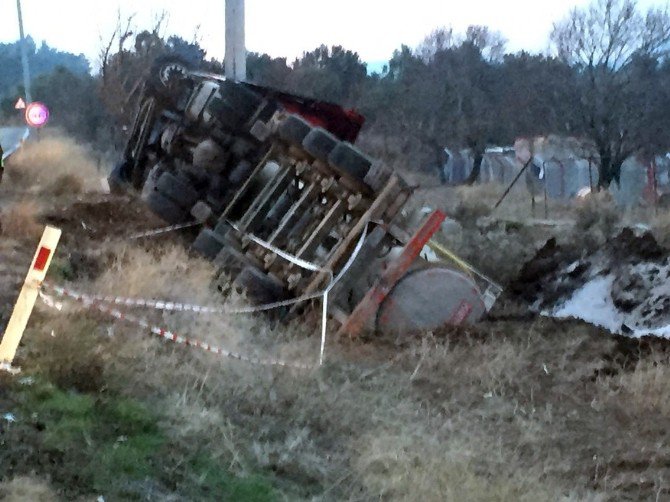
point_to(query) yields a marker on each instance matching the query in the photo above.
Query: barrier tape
(50, 302)
(163, 230)
(8, 368)
(182, 340)
(99, 301)
(172, 306)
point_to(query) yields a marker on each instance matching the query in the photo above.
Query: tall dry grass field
(519, 409)
(53, 165)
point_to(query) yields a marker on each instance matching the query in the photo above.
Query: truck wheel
(227, 116)
(177, 189)
(167, 78)
(242, 99)
(319, 143)
(260, 288)
(351, 160)
(166, 209)
(208, 243)
(294, 129)
(235, 107)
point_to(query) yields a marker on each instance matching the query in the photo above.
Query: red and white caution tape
(172, 306)
(182, 340)
(51, 302)
(101, 302)
(9, 368)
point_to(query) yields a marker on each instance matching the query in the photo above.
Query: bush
(597, 219)
(55, 165)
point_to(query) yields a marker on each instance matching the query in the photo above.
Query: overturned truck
(287, 202)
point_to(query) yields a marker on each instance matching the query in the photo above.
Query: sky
(373, 28)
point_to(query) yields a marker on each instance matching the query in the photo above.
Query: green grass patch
(210, 481)
(113, 446)
(109, 442)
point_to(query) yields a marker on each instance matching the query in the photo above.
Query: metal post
(236, 52)
(24, 56)
(523, 169)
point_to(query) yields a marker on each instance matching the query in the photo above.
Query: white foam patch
(663, 332)
(593, 303)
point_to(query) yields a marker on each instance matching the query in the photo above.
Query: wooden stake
(28, 296)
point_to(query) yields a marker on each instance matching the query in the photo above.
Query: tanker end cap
(428, 299)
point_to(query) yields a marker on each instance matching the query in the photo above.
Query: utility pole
(236, 51)
(24, 56)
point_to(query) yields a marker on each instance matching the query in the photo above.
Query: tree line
(607, 83)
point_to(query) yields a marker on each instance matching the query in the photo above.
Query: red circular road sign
(37, 114)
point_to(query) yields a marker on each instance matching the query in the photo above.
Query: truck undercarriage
(276, 181)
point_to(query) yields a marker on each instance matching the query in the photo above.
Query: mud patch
(622, 287)
(102, 217)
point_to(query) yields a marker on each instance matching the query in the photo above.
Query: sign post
(28, 295)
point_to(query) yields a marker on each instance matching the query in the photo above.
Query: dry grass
(19, 221)
(471, 202)
(597, 219)
(413, 466)
(497, 241)
(168, 273)
(508, 412)
(515, 410)
(26, 489)
(646, 388)
(172, 274)
(55, 165)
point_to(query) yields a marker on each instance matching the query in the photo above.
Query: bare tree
(449, 99)
(490, 43)
(125, 59)
(615, 50)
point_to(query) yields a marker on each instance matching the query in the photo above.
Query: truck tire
(349, 159)
(166, 209)
(294, 129)
(242, 99)
(178, 190)
(260, 288)
(319, 143)
(208, 244)
(167, 77)
(235, 107)
(225, 114)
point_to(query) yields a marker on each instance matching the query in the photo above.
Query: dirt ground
(519, 407)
